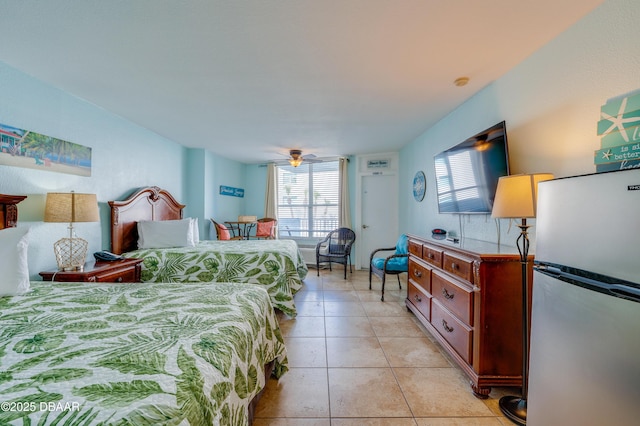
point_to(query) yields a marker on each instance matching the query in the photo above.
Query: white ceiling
(250, 79)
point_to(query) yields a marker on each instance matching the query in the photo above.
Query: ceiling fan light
(295, 157)
(295, 162)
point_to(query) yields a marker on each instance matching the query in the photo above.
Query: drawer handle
(446, 327)
(417, 298)
(430, 256)
(119, 280)
(447, 295)
(454, 266)
(417, 273)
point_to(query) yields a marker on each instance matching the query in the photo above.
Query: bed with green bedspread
(274, 264)
(136, 354)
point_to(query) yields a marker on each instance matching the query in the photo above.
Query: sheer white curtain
(271, 193)
(345, 208)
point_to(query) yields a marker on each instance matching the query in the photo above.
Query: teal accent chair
(394, 264)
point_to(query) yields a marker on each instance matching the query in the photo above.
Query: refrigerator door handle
(621, 290)
(626, 292)
(547, 269)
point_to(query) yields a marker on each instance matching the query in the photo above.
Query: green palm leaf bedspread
(275, 264)
(135, 354)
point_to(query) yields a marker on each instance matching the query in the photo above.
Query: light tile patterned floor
(355, 361)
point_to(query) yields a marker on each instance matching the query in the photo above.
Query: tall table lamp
(70, 207)
(516, 198)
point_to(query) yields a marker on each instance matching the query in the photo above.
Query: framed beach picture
(28, 149)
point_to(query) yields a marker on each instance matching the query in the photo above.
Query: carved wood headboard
(150, 203)
(9, 210)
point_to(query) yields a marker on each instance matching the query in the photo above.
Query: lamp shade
(71, 207)
(517, 195)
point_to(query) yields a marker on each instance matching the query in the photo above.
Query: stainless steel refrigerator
(585, 319)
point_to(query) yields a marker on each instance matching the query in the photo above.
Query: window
(308, 198)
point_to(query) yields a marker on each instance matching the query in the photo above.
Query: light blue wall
(551, 103)
(124, 157)
(196, 191)
(228, 173)
(205, 173)
(256, 176)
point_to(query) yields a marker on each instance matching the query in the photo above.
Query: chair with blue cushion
(394, 264)
(336, 247)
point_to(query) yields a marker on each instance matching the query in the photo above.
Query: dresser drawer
(415, 248)
(432, 255)
(457, 334)
(420, 273)
(420, 298)
(458, 265)
(456, 296)
(122, 276)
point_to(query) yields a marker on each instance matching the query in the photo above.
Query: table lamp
(70, 207)
(516, 198)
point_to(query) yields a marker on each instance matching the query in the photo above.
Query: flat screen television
(467, 174)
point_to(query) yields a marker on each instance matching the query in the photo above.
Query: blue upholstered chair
(394, 264)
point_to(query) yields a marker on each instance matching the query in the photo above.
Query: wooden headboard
(150, 203)
(9, 210)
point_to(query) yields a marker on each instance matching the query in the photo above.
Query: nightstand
(118, 271)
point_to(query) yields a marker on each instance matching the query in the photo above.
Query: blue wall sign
(231, 191)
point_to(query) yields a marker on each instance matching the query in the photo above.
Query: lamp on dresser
(71, 207)
(516, 198)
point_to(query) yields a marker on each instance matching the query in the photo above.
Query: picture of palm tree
(25, 148)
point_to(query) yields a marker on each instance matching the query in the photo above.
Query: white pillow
(14, 243)
(165, 234)
(195, 231)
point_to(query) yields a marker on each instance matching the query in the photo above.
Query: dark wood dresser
(469, 297)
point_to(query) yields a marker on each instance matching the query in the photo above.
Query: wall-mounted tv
(467, 174)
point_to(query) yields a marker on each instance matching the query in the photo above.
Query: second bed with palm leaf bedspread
(136, 354)
(275, 264)
(149, 224)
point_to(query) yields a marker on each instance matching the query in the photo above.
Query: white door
(379, 215)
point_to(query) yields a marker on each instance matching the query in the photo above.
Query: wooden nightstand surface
(118, 271)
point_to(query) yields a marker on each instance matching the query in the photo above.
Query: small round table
(243, 228)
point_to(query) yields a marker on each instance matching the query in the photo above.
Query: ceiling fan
(296, 158)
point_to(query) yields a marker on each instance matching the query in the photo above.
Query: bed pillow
(195, 231)
(14, 243)
(165, 233)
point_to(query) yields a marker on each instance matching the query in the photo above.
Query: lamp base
(71, 253)
(514, 408)
(71, 268)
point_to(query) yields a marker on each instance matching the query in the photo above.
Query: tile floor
(354, 360)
